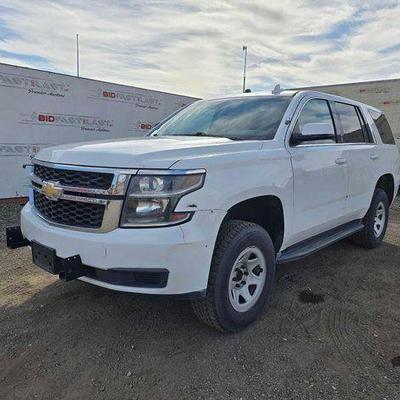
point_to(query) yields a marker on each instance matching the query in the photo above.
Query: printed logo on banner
(145, 126)
(84, 122)
(394, 102)
(375, 90)
(33, 85)
(141, 127)
(21, 149)
(139, 100)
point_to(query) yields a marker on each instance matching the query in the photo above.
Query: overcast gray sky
(195, 47)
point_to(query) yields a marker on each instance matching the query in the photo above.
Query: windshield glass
(249, 118)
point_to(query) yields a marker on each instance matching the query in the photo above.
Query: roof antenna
(247, 91)
(277, 89)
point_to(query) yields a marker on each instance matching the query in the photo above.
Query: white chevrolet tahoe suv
(216, 196)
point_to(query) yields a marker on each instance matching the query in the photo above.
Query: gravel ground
(75, 341)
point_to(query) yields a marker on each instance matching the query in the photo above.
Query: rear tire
(375, 222)
(241, 278)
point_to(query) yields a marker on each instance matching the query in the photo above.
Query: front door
(320, 176)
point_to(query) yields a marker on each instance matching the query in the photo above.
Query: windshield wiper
(198, 134)
(204, 134)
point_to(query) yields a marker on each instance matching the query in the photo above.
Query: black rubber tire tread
(204, 309)
(366, 238)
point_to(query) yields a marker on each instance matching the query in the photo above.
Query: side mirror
(314, 131)
(317, 128)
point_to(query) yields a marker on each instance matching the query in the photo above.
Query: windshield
(249, 118)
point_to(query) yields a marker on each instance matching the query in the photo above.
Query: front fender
(233, 178)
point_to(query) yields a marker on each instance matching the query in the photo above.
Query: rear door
(360, 153)
(319, 173)
(386, 154)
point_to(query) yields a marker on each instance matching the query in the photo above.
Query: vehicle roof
(288, 93)
(302, 93)
(337, 98)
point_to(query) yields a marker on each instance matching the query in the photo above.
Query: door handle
(374, 156)
(340, 161)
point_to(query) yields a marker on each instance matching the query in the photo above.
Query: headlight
(151, 199)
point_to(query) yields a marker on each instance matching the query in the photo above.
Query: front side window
(350, 122)
(249, 118)
(383, 127)
(315, 111)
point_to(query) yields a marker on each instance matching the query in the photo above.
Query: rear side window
(383, 127)
(353, 131)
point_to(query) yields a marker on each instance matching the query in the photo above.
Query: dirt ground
(75, 341)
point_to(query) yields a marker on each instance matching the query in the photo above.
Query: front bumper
(185, 251)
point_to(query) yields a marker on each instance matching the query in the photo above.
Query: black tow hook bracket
(67, 268)
(15, 238)
(72, 268)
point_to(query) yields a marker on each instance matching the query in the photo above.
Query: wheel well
(386, 183)
(266, 211)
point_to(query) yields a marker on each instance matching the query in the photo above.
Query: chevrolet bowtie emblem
(51, 190)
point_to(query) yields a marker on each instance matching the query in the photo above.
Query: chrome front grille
(76, 197)
(83, 179)
(71, 213)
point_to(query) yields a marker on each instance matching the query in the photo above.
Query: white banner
(39, 109)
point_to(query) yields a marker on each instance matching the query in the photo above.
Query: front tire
(241, 278)
(375, 222)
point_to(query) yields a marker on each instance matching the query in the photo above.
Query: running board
(316, 243)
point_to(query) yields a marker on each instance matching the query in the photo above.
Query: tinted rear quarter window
(383, 127)
(351, 125)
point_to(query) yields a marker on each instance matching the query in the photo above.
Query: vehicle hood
(147, 152)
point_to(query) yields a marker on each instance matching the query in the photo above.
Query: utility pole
(244, 68)
(77, 55)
